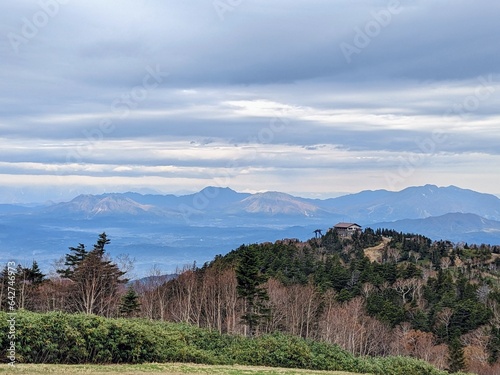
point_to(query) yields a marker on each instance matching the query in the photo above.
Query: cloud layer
(311, 98)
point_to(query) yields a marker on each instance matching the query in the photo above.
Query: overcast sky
(312, 98)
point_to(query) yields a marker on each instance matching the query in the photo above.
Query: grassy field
(154, 368)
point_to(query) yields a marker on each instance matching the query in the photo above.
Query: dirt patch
(374, 253)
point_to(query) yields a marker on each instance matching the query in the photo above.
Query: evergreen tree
(34, 274)
(494, 344)
(339, 275)
(250, 279)
(102, 241)
(95, 278)
(96, 281)
(130, 304)
(457, 360)
(77, 255)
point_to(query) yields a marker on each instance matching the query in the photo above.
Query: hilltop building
(346, 229)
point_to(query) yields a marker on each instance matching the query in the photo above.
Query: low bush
(75, 338)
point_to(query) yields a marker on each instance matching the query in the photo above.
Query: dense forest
(376, 293)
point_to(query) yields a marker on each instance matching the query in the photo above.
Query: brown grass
(155, 368)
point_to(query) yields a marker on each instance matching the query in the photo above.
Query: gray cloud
(268, 76)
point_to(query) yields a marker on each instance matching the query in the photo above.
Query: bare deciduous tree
(403, 287)
(348, 326)
(443, 319)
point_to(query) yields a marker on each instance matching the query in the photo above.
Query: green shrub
(75, 338)
(401, 365)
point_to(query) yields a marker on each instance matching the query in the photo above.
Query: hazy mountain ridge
(176, 230)
(366, 206)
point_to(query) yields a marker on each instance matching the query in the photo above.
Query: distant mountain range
(366, 206)
(174, 230)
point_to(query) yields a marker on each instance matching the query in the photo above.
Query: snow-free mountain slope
(99, 205)
(414, 203)
(275, 203)
(224, 204)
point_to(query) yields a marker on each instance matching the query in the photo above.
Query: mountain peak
(212, 190)
(106, 204)
(276, 203)
(274, 195)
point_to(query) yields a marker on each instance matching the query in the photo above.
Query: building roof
(346, 225)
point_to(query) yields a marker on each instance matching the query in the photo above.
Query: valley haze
(171, 231)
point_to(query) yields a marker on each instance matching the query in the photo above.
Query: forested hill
(374, 257)
(378, 293)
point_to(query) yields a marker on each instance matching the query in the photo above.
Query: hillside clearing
(375, 253)
(157, 368)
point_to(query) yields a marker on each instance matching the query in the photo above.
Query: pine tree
(494, 344)
(101, 242)
(77, 255)
(34, 274)
(95, 277)
(130, 304)
(96, 282)
(249, 288)
(457, 360)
